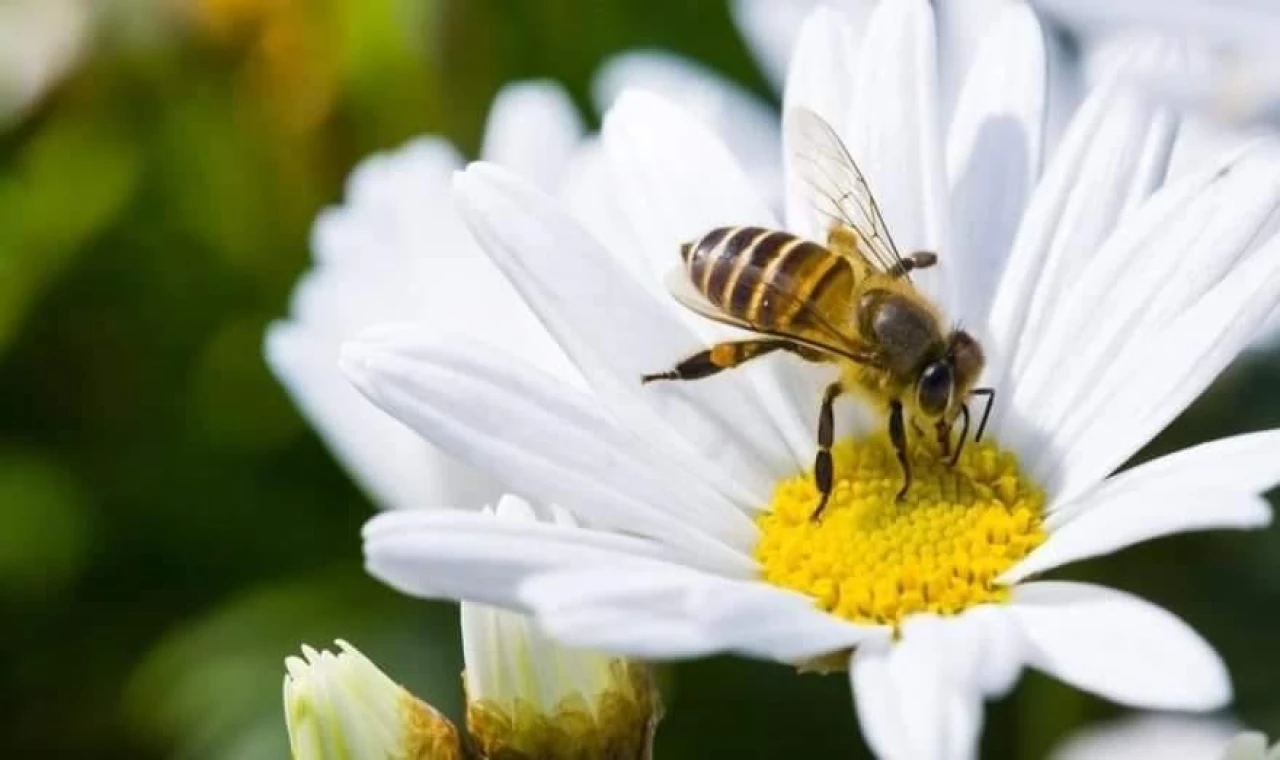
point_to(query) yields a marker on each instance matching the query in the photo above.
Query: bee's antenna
(990, 393)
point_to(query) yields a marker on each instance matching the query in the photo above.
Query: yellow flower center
(873, 559)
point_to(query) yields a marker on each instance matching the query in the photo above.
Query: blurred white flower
(1251, 745)
(1167, 736)
(341, 707)
(1239, 79)
(695, 497)
(528, 696)
(40, 41)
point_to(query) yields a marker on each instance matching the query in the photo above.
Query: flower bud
(340, 706)
(529, 698)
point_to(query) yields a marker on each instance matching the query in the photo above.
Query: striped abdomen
(767, 277)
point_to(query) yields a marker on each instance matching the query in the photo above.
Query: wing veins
(843, 195)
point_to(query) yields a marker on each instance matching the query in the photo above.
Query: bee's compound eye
(933, 391)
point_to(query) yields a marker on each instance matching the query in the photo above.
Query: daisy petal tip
(360, 360)
(638, 108)
(279, 344)
(1011, 576)
(823, 16)
(380, 524)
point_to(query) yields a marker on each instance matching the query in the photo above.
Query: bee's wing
(819, 334)
(838, 192)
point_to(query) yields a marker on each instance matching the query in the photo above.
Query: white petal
(398, 251)
(964, 26)
(1238, 90)
(820, 79)
(1247, 463)
(1002, 651)
(747, 125)
(588, 190)
(1203, 143)
(677, 177)
(1064, 89)
(894, 131)
(1131, 290)
(677, 181)
(616, 333)
(544, 439)
(395, 250)
(1118, 646)
(908, 705)
(533, 129)
(1113, 155)
(1163, 378)
(772, 28)
(1171, 736)
(993, 156)
(450, 554)
(606, 609)
(1249, 23)
(392, 463)
(1136, 515)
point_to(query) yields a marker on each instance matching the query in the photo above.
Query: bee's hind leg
(718, 358)
(898, 436)
(823, 467)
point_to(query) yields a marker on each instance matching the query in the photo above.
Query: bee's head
(945, 382)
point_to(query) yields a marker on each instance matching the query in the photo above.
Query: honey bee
(850, 302)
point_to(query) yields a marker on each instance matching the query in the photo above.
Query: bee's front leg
(942, 431)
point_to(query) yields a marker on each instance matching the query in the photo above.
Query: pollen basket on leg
(873, 559)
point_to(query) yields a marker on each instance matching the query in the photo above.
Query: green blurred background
(170, 528)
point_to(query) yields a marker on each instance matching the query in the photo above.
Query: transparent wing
(818, 333)
(838, 192)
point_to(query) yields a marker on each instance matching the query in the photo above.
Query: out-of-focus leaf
(68, 184)
(236, 401)
(44, 524)
(385, 66)
(213, 686)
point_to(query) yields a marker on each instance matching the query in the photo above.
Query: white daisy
(40, 42)
(341, 706)
(696, 497)
(1166, 736)
(1251, 746)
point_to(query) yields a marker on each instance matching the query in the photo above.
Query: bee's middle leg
(823, 467)
(718, 358)
(898, 436)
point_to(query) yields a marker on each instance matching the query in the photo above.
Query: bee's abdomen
(765, 277)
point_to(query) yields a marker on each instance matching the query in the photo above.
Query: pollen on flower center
(872, 559)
